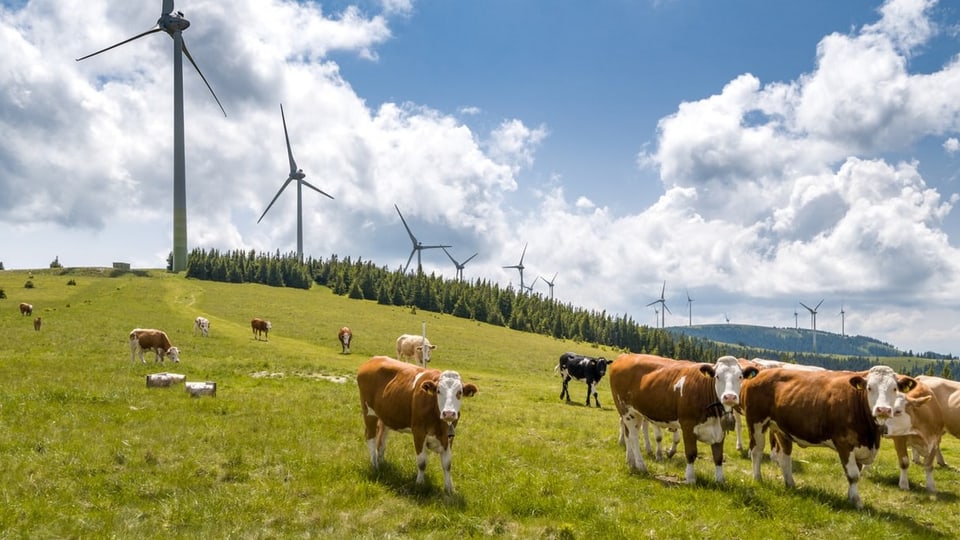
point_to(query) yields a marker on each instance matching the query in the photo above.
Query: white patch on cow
(853, 476)
(900, 423)
(433, 443)
(449, 396)
(678, 387)
(727, 379)
(881, 392)
(709, 432)
(416, 380)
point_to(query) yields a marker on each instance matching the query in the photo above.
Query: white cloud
(951, 145)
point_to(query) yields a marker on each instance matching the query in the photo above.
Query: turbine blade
(523, 253)
(167, 6)
(318, 190)
(806, 306)
(195, 66)
(468, 259)
(275, 197)
(293, 164)
(818, 304)
(434, 247)
(455, 263)
(668, 309)
(412, 237)
(410, 258)
(151, 31)
(654, 302)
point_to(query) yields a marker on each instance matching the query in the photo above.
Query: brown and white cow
(149, 339)
(692, 397)
(843, 410)
(917, 422)
(345, 335)
(947, 394)
(202, 325)
(26, 309)
(417, 348)
(261, 328)
(399, 396)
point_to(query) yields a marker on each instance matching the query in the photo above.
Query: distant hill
(791, 340)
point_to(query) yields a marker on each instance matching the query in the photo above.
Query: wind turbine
(417, 245)
(299, 176)
(843, 330)
(520, 266)
(796, 321)
(813, 321)
(459, 265)
(689, 309)
(663, 305)
(549, 283)
(174, 24)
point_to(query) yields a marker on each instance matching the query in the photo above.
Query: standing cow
(399, 396)
(36, 324)
(695, 398)
(202, 325)
(345, 335)
(416, 348)
(947, 394)
(582, 368)
(26, 309)
(842, 410)
(917, 423)
(149, 339)
(261, 328)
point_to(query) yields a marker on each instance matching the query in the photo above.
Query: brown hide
(260, 326)
(151, 340)
(947, 394)
(926, 421)
(646, 382)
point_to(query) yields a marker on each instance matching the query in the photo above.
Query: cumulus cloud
(951, 145)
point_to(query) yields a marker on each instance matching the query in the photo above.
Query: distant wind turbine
(689, 309)
(843, 329)
(417, 245)
(519, 266)
(298, 175)
(813, 321)
(174, 24)
(459, 265)
(663, 305)
(549, 283)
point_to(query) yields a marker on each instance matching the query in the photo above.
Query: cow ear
(469, 390)
(906, 384)
(429, 387)
(858, 382)
(707, 371)
(750, 372)
(917, 402)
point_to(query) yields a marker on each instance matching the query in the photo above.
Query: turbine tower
(663, 305)
(417, 245)
(689, 309)
(174, 24)
(459, 265)
(519, 266)
(843, 329)
(813, 321)
(298, 175)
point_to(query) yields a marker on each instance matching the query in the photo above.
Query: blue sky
(756, 154)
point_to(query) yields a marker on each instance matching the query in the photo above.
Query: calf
(918, 423)
(148, 339)
(26, 309)
(582, 368)
(947, 394)
(202, 325)
(842, 410)
(414, 347)
(692, 397)
(36, 324)
(260, 328)
(344, 336)
(399, 396)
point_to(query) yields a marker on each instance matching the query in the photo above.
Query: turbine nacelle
(173, 22)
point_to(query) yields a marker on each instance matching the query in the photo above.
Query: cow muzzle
(882, 414)
(449, 416)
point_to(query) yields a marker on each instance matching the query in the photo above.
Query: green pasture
(88, 451)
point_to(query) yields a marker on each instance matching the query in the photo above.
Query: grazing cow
(36, 324)
(261, 328)
(582, 368)
(692, 397)
(414, 347)
(202, 325)
(399, 396)
(947, 394)
(148, 339)
(26, 309)
(842, 410)
(918, 423)
(345, 335)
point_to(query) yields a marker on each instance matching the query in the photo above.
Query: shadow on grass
(893, 482)
(404, 484)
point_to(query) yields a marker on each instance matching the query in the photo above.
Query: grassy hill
(793, 340)
(88, 451)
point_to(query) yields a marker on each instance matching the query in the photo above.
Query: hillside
(790, 340)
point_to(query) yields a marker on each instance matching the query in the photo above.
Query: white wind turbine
(174, 24)
(298, 175)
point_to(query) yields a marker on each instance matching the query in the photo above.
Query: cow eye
(459, 394)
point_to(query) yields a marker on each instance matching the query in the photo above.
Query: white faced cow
(582, 368)
(842, 410)
(399, 396)
(148, 339)
(416, 348)
(692, 397)
(202, 325)
(345, 335)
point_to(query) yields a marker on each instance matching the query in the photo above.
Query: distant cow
(260, 328)
(842, 410)
(417, 348)
(582, 368)
(399, 396)
(692, 397)
(947, 394)
(26, 309)
(148, 339)
(345, 335)
(917, 423)
(36, 324)
(202, 325)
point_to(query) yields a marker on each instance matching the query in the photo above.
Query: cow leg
(590, 390)
(738, 427)
(757, 440)
(674, 444)
(928, 466)
(903, 459)
(631, 425)
(940, 460)
(564, 392)
(446, 458)
(419, 445)
(658, 437)
(785, 458)
(370, 434)
(852, 470)
(645, 426)
(596, 399)
(690, 450)
(717, 449)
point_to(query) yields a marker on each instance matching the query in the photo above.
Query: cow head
(174, 354)
(882, 384)
(449, 390)
(901, 423)
(727, 377)
(424, 353)
(600, 366)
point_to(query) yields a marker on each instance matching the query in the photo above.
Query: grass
(86, 450)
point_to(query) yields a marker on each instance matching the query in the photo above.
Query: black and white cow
(582, 368)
